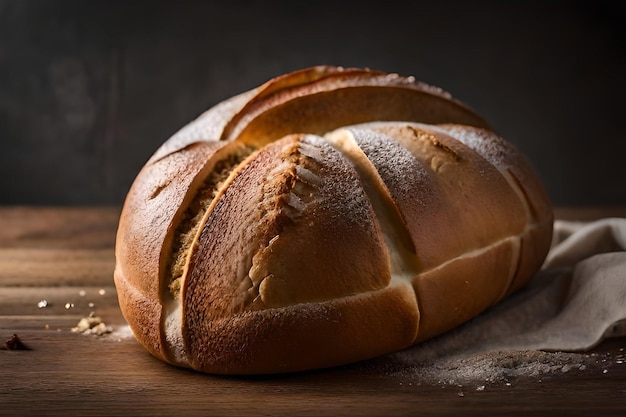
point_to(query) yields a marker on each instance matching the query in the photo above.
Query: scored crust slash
(328, 216)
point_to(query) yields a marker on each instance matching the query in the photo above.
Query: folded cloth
(575, 301)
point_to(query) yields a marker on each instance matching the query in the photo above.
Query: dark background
(89, 89)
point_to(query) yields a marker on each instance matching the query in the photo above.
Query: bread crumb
(14, 343)
(92, 325)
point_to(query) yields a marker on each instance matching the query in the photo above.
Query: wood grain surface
(63, 258)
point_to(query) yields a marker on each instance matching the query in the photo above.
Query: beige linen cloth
(572, 304)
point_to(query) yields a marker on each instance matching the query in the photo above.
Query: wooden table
(56, 267)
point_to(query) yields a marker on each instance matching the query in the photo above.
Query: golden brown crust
(316, 250)
(460, 289)
(143, 314)
(535, 242)
(305, 336)
(151, 211)
(450, 197)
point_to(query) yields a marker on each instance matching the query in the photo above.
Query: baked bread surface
(329, 216)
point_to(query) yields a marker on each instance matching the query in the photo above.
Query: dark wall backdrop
(90, 88)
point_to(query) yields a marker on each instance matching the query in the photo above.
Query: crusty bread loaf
(329, 216)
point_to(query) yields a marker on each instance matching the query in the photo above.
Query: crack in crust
(277, 207)
(192, 220)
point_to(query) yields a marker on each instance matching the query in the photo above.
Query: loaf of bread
(329, 216)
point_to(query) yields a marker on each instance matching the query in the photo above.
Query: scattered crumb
(42, 303)
(92, 325)
(14, 343)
